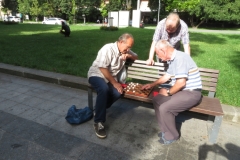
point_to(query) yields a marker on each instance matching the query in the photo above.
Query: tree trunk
(192, 23)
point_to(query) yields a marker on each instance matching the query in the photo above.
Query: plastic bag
(78, 116)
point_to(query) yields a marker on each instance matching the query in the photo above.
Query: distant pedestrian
(65, 29)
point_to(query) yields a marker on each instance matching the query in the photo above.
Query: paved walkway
(33, 126)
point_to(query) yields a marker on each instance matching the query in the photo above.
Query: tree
(10, 5)
(218, 10)
(24, 6)
(89, 8)
(35, 10)
(115, 5)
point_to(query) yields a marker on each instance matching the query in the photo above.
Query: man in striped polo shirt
(185, 91)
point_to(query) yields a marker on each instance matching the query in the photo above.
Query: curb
(231, 113)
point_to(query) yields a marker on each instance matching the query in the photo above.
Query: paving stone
(17, 109)
(5, 104)
(32, 113)
(63, 143)
(26, 129)
(47, 118)
(47, 105)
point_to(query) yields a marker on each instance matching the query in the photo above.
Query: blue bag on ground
(78, 116)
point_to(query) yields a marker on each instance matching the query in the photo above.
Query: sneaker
(99, 130)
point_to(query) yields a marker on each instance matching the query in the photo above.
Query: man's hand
(119, 87)
(124, 57)
(146, 86)
(150, 62)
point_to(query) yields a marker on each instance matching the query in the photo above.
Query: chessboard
(135, 89)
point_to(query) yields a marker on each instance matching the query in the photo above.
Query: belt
(200, 90)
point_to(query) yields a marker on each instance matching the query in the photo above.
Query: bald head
(172, 22)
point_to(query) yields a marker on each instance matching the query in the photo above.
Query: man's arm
(187, 48)
(110, 78)
(179, 84)
(161, 80)
(150, 60)
(130, 55)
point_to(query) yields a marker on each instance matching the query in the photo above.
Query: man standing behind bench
(184, 93)
(102, 76)
(172, 29)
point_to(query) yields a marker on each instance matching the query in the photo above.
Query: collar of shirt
(116, 49)
(172, 57)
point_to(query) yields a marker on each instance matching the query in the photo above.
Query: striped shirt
(173, 38)
(182, 65)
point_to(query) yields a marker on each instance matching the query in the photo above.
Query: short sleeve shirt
(182, 65)
(108, 57)
(174, 39)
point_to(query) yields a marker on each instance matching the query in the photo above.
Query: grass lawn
(43, 47)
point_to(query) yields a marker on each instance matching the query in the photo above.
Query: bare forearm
(187, 49)
(152, 50)
(131, 55)
(107, 75)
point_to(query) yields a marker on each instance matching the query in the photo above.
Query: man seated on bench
(184, 93)
(102, 76)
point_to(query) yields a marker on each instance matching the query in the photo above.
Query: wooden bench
(138, 71)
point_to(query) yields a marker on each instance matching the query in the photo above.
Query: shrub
(111, 28)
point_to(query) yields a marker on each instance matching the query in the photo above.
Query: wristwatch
(168, 92)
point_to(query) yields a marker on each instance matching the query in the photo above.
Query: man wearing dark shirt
(65, 29)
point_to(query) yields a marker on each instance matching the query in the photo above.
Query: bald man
(172, 29)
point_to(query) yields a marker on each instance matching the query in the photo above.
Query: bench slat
(208, 70)
(151, 79)
(155, 64)
(159, 71)
(203, 107)
(204, 74)
(209, 79)
(150, 67)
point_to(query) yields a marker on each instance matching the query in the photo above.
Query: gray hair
(162, 44)
(124, 37)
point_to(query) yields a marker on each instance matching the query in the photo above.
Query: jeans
(106, 96)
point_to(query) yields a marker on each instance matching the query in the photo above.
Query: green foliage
(115, 5)
(35, 10)
(24, 6)
(111, 28)
(104, 11)
(10, 5)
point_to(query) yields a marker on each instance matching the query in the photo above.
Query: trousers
(168, 107)
(106, 96)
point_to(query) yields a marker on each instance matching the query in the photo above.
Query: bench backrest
(138, 70)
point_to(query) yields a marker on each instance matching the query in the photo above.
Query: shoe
(166, 142)
(99, 130)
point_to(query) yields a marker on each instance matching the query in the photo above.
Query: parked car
(12, 19)
(54, 20)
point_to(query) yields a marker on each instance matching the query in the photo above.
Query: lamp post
(84, 18)
(159, 5)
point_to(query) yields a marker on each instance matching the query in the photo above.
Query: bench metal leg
(90, 98)
(213, 132)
